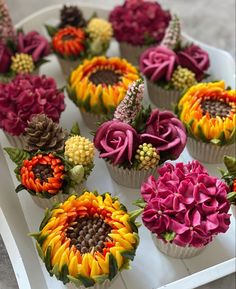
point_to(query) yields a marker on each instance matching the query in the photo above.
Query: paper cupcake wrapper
(91, 120)
(175, 251)
(130, 178)
(163, 98)
(131, 53)
(233, 210)
(208, 152)
(59, 198)
(68, 65)
(15, 141)
(106, 284)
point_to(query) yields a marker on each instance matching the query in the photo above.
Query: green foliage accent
(113, 267)
(51, 30)
(230, 163)
(87, 282)
(55, 271)
(168, 236)
(41, 62)
(74, 281)
(47, 259)
(140, 203)
(231, 197)
(42, 238)
(40, 251)
(201, 134)
(102, 105)
(64, 274)
(46, 218)
(20, 188)
(129, 254)
(75, 130)
(101, 278)
(125, 265)
(134, 214)
(141, 118)
(123, 208)
(133, 226)
(17, 155)
(86, 103)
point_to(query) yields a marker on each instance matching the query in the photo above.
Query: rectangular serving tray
(151, 269)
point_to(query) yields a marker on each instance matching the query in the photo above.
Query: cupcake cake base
(92, 120)
(162, 98)
(130, 178)
(105, 285)
(208, 152)
(16, 141)
(131, 53)
(175, 251)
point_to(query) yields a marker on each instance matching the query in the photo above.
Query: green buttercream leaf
(75, 130)
(140, 203)
(47, 216)
(113, 267)
(231, 197)
(47, 259)
(100, 278)
(74, 281)
(86, 281)
(201, 134)
(40, 251)
(51, 30)
(55, 271)
(133, 226)
(64, 274)
(86, 103)
(41, 239)
(130, 254)
(20, 188)
(134, 214)
(168, 236)
(17, 155)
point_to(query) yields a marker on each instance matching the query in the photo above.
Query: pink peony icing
(166, 132)
(186, 202)
(34, 44)
(27, 95)
(137, 22)
(195, 59)
(116, 141)
(158, 63)
(5, 58)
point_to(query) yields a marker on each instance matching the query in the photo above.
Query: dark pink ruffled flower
(136, 21)
(25, 96)
(166, 132)
(187, 201)
(195, 59)
(116, 141)
(5, 58)
(33, 44)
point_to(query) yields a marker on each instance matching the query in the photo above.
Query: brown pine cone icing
(44, 134)
(71, 16)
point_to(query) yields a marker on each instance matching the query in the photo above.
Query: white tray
(150, 269)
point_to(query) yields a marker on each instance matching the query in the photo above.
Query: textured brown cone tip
(216, 108)
(44, 134)
(71, 16)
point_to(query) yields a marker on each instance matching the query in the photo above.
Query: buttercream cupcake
(98, 85)
(208, 110)
(55, 162)
(76, 39)
(137, 140)
(172, 67)
(86, 241)
(184, 209)
(138, 25)
(229, 177)
(18, 104)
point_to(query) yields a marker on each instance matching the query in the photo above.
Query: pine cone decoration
(44, 134)
(71, 16)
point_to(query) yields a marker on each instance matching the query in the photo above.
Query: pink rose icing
(158, 63)
(25, 96)
(187, 201)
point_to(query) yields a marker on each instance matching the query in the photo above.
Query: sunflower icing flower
(98, 85)
(208, 110)
(88, 239)
(229, 177)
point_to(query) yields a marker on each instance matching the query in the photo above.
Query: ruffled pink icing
(187, 201)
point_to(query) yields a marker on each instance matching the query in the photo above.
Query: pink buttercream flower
(116, 141)
(195, 59)
(138, 21)
(187, 201)
(166, 133)
(34, 44)
(158, 63)
(5, 58)
(25, 96)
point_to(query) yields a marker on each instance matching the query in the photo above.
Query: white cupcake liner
(106, 284)
(15, 141)
(233, 210)
(130, 178)
(163, 98)
(59, 198)
(68, 65)
(176, 251)
(91, 120)
(131, 53)
(208, 152)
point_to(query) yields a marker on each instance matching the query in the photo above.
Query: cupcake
(76, 39)
(208, 110)
(54, 164)
(184, 209)
(137, 140)
(138, 25)
(19, 52)
(18, 103)
(86, 241)
(172, 67)
(229, 177)
(98, 85)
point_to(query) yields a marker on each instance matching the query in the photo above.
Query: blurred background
(212, 22)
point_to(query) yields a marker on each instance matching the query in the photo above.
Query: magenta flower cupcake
(23, 97)
(184, 208)
(137, 140)
(172, 67)
(138, 25)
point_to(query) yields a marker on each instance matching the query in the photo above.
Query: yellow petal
(73, 266)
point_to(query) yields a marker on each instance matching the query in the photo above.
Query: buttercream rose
(116, 141)
(5, 58)
(158, 63)
(33, 44)
(195, 59)
(166, 133)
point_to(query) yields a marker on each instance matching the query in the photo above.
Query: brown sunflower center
(216, 108)
(42, 172)
(68, 37)
(105, 76)
(88, 233)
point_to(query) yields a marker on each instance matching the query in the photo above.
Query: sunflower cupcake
(98, 85)
(87, 240)
(208, 110)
